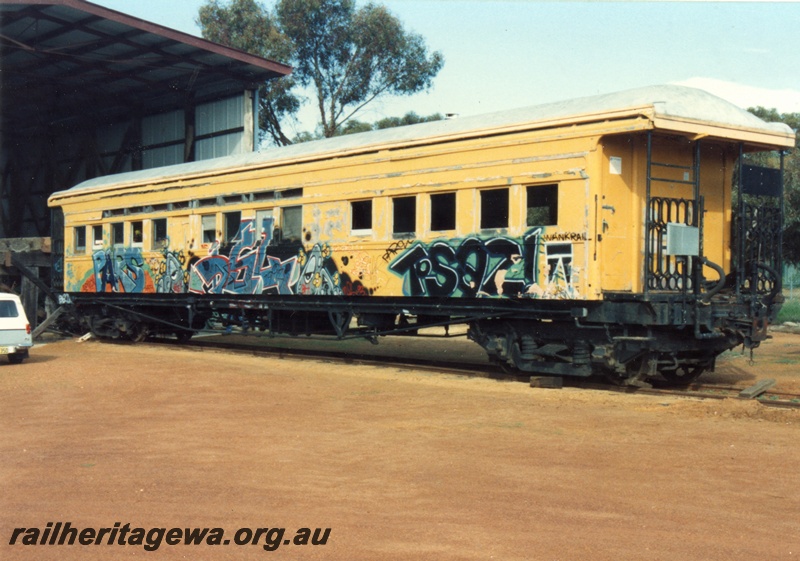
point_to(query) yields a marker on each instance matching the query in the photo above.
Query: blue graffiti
(171, 276)
(248, 269)
(120, 269)
(209, 275)
(318, 275)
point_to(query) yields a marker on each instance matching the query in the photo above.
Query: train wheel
(183, 336)
(503, 365)
(508, 368)
(683, 375)
(138, 333)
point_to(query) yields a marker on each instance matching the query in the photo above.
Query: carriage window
(494, 208)
(264, 196)
(137, 235)
(232, 222)
(97, 235)
(209, 228)
(80, 239)
(542, 205)
(292, 223)
(263, 225)
(117, 233)
(290, 193)
(405, 215)
(443, 211)
(361, 215)
(160, 233)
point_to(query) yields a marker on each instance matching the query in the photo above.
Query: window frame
(97, 241)
(156, 242)
(549, 196)
(204, 229)
(133, 224)
(285, 220)
(260, 216)
(413, 221)
(363, 215)
(485, 195)
(228, 235)
(77, 247)
(117, 234)
(435, 199)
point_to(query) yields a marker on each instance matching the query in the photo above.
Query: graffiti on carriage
(171, 275)
(247, 269)
(119, 269)
(495, 266)
(534, 265)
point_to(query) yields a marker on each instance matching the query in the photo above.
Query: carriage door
(613, 211)
(673, 220)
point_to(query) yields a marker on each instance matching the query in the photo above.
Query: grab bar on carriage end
(715, 333)
(721, 283)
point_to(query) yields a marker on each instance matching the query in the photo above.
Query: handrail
(720, 284)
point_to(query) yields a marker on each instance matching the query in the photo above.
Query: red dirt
(400, 464)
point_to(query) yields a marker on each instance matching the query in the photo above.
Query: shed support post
(29, 294)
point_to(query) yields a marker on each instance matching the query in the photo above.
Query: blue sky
(505, 54)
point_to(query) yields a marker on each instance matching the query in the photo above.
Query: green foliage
(351, 57)
(354, 126)
(248, 26)
(347, 56)
(791, 180)
(305, 136)
(410, 118)
(790, 311)
(772, 116)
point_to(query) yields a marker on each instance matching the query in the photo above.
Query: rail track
(283, 347)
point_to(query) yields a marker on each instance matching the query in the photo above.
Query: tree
(409, 118)
(351, 57)
(348, 57)
(791, 181)
(353, 126)
(249, 27)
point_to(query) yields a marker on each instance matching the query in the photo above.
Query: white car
(15, 331)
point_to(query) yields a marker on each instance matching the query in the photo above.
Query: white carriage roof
(677, 108)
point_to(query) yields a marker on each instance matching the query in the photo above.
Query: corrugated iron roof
(66, 60)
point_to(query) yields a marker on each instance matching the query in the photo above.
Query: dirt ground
(399, 464)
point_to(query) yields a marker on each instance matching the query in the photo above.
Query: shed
(88, 91)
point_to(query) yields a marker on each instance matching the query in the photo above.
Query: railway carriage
(622, 234)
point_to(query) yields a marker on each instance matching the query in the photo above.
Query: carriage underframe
(632, 339)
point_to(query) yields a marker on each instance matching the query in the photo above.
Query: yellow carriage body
(583, 201)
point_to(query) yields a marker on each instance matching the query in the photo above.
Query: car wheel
(15, 359)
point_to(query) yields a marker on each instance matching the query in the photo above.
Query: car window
(8, 309)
